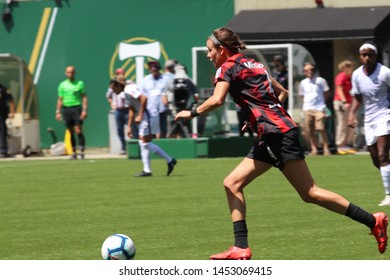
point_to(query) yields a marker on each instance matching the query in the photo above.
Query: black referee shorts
(71, 115)
(277, 149)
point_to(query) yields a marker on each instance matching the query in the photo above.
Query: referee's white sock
(385, 172)
(145, 156)
(158, 151)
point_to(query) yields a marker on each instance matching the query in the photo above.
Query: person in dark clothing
(7, 110)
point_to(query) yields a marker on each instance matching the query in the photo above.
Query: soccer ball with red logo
(118, 247)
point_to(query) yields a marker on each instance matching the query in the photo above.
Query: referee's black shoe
(171, 166)
(73, 156)
(143, 174)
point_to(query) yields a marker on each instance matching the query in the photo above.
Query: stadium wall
(49, 35)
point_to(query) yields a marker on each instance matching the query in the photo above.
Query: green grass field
(64, 210)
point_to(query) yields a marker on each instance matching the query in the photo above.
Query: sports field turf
(64, 210)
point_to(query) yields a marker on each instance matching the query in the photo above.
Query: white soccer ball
(118, 247)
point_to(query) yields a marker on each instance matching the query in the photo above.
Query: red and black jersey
(251, 89)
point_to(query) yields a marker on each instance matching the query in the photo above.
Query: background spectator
(342, 103)
(7, 110)
(120, 105)
(314, 89)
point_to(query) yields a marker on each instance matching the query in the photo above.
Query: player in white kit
(371, 87)
(148, 126)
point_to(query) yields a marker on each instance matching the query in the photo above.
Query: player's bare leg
(298, 174)
(234, 184)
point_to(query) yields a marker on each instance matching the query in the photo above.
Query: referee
(73, 102)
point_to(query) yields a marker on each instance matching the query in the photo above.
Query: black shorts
(72, 115)
(277, 149)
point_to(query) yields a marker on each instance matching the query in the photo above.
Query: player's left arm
(143, 100)
(214, 102)
(84, 103)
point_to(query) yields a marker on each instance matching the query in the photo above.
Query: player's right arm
(356, 101)
(130, 122)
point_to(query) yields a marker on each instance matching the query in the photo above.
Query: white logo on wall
(132, 55)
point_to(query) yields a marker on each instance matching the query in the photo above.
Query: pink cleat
(380, 231)
(234, 253)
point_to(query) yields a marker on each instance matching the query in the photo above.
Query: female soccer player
(254, 90)
(371, 85)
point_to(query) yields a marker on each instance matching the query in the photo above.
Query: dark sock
(81, 140)
(73, 142)
(240, 234)
(360, 215)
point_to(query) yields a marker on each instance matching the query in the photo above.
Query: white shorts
(373, 131)
(149, 126)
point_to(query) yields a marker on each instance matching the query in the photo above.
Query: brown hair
(228, 39)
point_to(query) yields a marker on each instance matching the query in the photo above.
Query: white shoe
(385, 201)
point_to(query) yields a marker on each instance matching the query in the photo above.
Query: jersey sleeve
(301, 90)
(109, 93)
(223, 74)
(387, 77)
(325, 85)
(60, 91)
(82, 88)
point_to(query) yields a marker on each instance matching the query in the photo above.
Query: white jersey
(313, 91)
(375, 90)
(132, 94)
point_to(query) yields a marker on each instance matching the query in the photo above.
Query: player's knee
(311, 196)
(231, 184)
(383, 158)
(143, 144)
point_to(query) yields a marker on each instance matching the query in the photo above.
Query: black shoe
(82, 156)
(73, 156)
(143, 174)
(171, 165)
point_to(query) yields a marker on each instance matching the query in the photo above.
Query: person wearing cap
(184, 96)
(73, 103)
(371, 87)
(154, 86)
(120, 105)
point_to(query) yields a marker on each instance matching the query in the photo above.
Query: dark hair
(116, 82)
(154, 64)
(229, 39)
(278, 58)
